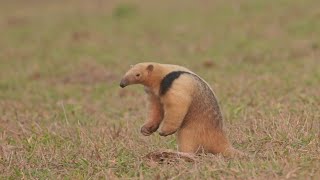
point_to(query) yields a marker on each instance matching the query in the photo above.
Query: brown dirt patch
(209, 64)
(16, 21)
(80, 35)
(167, 156)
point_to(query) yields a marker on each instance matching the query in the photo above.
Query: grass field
(63, 115)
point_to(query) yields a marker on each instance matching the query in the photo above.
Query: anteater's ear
(150, 68)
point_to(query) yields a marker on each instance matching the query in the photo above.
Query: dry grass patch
(63, 115)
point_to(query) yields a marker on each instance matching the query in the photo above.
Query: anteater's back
(203, 122)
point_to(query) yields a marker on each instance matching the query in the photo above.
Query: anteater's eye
(138, 75)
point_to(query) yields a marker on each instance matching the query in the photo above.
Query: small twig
(10, 160)
(291, 173)
(65, 114)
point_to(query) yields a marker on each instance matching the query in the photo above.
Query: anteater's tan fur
(189, 108)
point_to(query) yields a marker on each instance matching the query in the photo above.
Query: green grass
(62, 114)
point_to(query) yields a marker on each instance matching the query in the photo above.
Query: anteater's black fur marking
(167, 81)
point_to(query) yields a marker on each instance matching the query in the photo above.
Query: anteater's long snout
(123, 83)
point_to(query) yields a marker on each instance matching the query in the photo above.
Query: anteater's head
(137, 74)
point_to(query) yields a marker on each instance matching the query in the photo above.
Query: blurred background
(61, 63)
